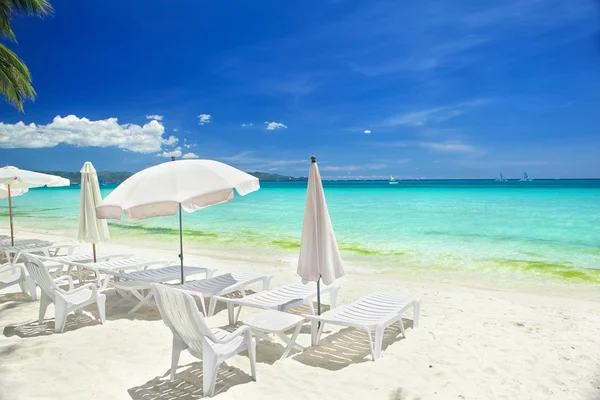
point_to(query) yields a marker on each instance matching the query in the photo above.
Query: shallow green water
(543, 227)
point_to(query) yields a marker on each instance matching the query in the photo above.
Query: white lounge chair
(221, 285)
(372, 313)
(46, 248)
(75, 260)
(12, 274)
(65, 301)
(282, 298)
(133, 285)
(114, 267)
(212, 345)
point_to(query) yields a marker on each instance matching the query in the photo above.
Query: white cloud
(175, 129)
(438, 114)
(367, 131)
(169, 154)
(204, 119)
(190, 155)
(249, 124)
(271, 126)
(154, 116)
(82, 132)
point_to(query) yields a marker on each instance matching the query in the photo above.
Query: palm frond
(15, 79)
(10, 7)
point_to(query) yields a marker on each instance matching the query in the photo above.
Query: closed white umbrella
(91, 229)
(19, 179)
(167, 188)
(319, 254)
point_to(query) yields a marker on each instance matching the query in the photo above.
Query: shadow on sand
(188, 383)
(346, 347)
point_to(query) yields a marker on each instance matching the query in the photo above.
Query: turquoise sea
(545, 227)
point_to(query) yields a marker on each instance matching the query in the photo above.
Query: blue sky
(445, 88)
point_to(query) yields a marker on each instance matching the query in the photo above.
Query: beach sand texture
(475, 341)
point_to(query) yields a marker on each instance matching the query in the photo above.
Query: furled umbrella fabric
(167, 188)
(319, 254)
(91, 229)
(19, 179)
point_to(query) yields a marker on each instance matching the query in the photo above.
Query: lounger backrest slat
(40, 275)
(180, 313)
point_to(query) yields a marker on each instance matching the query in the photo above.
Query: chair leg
(231, 313)
(101, 302)
(333, 297)
(178, 347)
(210, 367)
(44, 303)
(252, 355)
(60, 315)
(416, 313)
(371, 347)
(378, 343)
(31, 287)
(211, 306)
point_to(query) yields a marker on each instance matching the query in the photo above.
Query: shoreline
(506, 280)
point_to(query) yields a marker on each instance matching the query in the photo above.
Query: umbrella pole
(94, 250)
(181, 245)
(12, 231)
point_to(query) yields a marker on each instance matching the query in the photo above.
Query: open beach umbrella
(13, 192)
(167, 188)
(91, 229)
(319, 254)
(19, 179)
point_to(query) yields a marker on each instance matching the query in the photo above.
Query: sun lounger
(132, 285)
(75, 260)
(48, 249)
(372, 313)
(115, 267)
(190, 331)
(222, 285)
(282, 298)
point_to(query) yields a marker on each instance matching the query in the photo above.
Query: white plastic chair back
(40, 275)
(180, 313)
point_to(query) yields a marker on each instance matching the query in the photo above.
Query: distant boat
(501, 178)
(525, 178)
(101, 182)
(393, 181)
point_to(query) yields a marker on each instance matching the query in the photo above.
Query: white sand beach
(478, 338)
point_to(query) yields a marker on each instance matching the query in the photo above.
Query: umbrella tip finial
(313, 159)
(173, 158)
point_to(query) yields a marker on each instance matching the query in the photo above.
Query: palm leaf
(10, 7)
(15, 79)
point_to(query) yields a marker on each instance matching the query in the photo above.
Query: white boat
(501, 178)
(525, 178)
(393, 181)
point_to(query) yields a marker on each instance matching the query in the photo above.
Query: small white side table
(277, 323)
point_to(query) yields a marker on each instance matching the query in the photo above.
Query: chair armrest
(235, 334)
(67, 278)
(87, 286)
(9, 266)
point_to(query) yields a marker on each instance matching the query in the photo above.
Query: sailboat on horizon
(393, 181)
(525, 178)
(501, 178)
